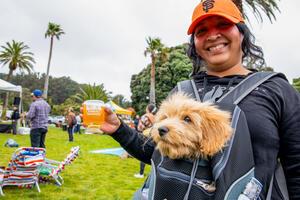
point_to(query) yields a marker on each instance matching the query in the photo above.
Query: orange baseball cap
(223, 8)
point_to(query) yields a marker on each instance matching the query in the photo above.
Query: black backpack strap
(189, 87)
(281, 182)
(246, 86)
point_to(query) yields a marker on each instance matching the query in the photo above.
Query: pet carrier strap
(189, 87)
(193, 174)
(246, 86)
(281, 183)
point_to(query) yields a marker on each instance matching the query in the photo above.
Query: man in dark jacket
(14, 119)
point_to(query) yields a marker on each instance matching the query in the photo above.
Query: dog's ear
(216, 129)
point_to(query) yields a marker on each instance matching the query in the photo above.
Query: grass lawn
(90, 176)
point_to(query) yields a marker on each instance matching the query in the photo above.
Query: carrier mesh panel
(185, 167)
(175, 189)
(174, 184)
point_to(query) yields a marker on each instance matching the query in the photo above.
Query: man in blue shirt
(38, 115)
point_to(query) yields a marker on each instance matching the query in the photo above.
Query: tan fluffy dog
(185, 128)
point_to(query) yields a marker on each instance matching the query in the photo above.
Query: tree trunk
(152, 86)
(45, 93)
(5, 102)
(239, 4)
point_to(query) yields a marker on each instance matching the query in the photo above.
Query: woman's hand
(111, 121)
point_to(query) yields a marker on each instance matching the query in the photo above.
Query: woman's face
(218, 42)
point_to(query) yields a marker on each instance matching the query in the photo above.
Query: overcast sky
(105, 40)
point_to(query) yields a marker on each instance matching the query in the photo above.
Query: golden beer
(93, 113)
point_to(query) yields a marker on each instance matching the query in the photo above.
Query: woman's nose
(213, 34)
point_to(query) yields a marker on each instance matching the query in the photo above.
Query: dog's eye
(187, 119)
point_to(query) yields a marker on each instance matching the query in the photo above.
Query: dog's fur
(185, 128)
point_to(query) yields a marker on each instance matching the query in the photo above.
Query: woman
(144, 126)
(219, 42)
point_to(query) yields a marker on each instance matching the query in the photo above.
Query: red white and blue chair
(51, 169)
(24, 168)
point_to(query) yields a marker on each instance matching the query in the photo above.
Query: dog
(186, 128)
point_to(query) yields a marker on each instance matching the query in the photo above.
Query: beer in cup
(93, 112)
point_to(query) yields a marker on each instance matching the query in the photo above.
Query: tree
(156, 50)
(176, 68)
(15, 54)
(53, 30)
(121, 100)
(266, 6)
(92, 92)
(254, 63)
(296, 84)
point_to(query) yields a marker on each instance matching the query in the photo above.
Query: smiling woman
(219, 42)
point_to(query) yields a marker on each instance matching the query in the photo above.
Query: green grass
(90, 176)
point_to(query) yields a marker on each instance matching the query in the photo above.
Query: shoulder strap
(235, 95)
(281, 182)
(188, 87)
(269, 194)
(246, 86)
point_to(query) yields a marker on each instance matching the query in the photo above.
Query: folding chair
(52, 169)
(1, 181)
(23, 168)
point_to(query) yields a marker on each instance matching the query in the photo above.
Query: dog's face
(185, 128)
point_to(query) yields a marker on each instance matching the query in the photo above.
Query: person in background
(23, 120)
(77, 127)
(136, 121)
(144, 127)
(38, 114)
(14, 119)
(70, 125)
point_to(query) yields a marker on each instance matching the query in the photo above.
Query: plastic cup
(93, 112)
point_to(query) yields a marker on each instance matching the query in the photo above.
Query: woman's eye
(200, 31)
(225, 24)
(187, 119)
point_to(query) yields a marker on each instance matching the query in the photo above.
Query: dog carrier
(230, 170)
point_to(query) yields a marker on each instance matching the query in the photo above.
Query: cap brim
(199, 19)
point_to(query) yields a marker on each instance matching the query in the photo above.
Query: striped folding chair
(1, 181)
(51, 169)
(24, 168)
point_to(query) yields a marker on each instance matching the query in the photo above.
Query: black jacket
(273, 115)
(15, 114)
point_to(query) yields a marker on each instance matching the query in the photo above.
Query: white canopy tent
(6, 86)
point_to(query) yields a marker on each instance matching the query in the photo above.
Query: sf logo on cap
(208, 4)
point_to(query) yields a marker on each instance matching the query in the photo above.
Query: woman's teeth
(216, 47)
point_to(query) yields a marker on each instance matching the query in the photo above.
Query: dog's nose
(163, 130)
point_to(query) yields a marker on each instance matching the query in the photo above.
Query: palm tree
(15, 55)
(53, 30)
(156, 50)
(92, 92)
(266, 6)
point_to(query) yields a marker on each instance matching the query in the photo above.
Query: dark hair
(152, 108)
(250, 50)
